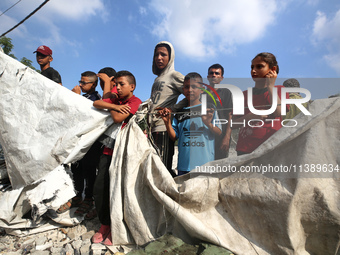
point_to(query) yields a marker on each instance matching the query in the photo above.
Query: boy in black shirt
(44, 58)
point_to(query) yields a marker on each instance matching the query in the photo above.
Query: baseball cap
(44, 50)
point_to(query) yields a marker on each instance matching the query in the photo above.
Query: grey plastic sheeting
(42, 126)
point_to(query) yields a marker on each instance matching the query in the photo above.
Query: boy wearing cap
(44, 58)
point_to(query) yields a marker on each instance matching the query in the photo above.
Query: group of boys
(199, 139)
(119, 100)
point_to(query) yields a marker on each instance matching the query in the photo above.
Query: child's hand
(122, 108)
(165, 114)
(208, 117)
(270, 78)
(114, 95)
(77, 89)
(104, 77)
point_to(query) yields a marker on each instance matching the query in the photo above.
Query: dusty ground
(77, 240)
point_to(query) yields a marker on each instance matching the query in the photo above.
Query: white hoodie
(165, 89)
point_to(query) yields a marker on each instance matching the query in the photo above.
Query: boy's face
(215, 76)
(161, 57)
(191, 89)
(86, 84)
(259, 68)
(43, 59)
(124, 88)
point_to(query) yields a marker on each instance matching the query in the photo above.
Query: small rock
(40, 253)
(55, 250)
(85, 248)
(29, 241)
(76, 232)
(27, 248)
(69, 249)
(56, 235)
(96, 252)
(98, 246)
(13, 253)
(44, 246)
(77, 244)
(87, 235)
(40, 241)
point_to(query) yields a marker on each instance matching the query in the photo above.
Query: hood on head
(170, 66)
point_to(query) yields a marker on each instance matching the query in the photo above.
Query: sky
(87, 35)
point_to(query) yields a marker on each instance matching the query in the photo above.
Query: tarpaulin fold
(42, 127)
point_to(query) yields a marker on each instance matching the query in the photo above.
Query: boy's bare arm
(207, 119)
(166, 117)
(226, 139)
(123, 109)
(118, 116)
(107, 85)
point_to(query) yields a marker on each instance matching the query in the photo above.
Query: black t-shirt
(52, 74)
(93, 96)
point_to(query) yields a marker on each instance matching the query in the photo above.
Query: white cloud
(333, 61)
(200, 28)
(143, 11)
(326, 34)
(76, 9)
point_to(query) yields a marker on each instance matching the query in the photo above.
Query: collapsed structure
(44, 127)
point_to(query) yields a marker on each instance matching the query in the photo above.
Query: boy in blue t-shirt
(195, 132)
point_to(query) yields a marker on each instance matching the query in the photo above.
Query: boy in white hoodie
(165, 91)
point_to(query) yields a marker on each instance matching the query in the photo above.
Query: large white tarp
(42, 126)
(248, 213)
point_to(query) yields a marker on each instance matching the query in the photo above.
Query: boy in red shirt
(121, 109)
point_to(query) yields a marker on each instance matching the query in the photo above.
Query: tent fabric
(43, 125)
(36, 113)
(247, 213)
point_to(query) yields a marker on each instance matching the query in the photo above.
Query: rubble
(77, 241)
(68, 240)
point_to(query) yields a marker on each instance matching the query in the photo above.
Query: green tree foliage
(28, 62)
(7, 46)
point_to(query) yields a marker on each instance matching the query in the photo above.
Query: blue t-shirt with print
(195, 140)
